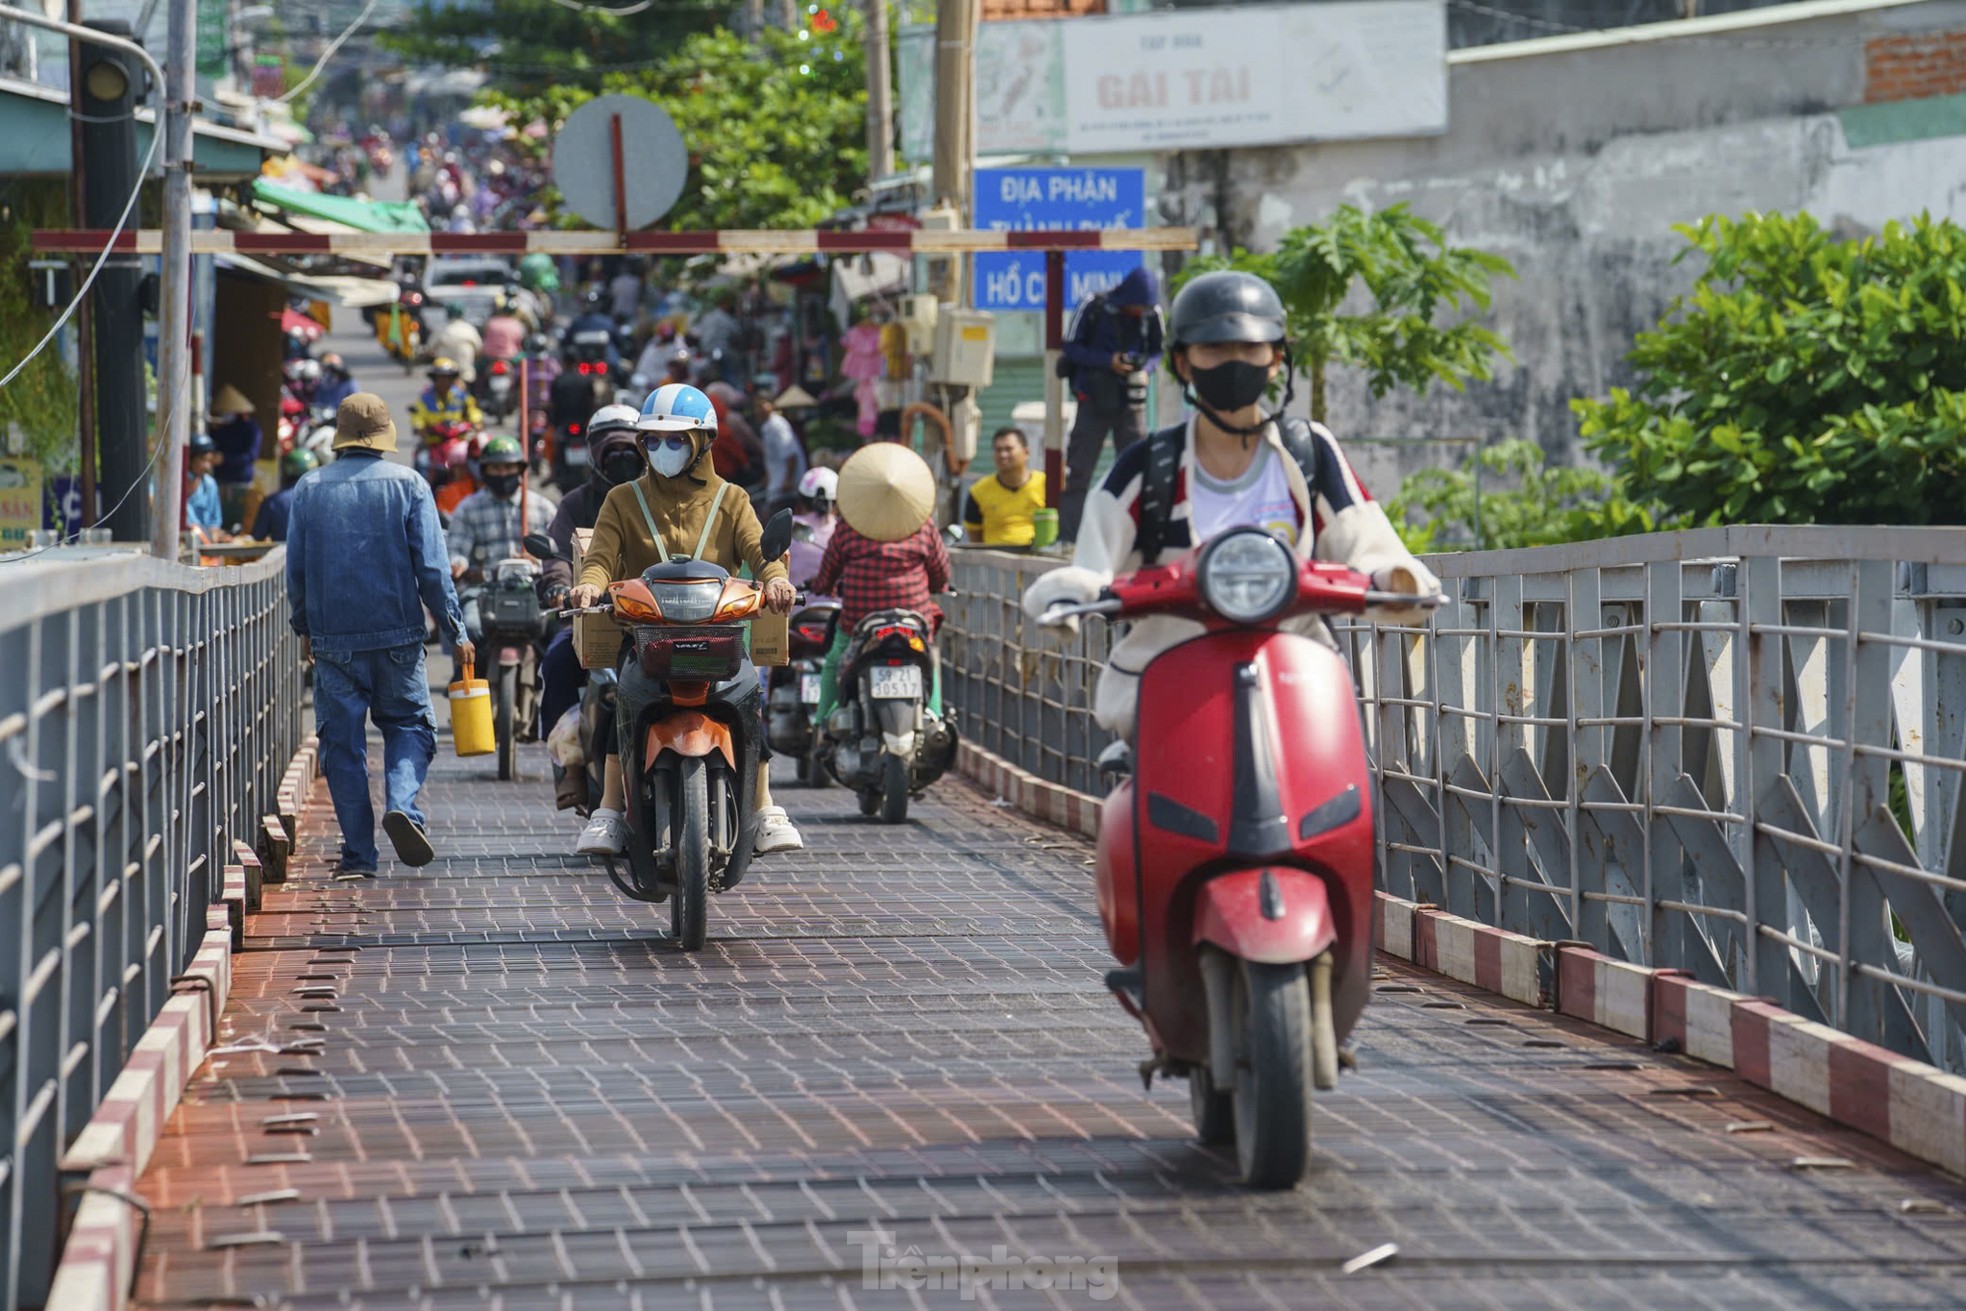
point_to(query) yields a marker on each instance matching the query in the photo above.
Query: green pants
(829, 678)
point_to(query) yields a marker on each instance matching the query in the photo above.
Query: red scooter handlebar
(1176, 588)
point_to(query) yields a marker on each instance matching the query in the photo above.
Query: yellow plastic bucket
(471, 716)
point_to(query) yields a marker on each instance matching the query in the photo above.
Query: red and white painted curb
(1027, 793)
(98, 1263)
(1915, 1107)
(109, 1155)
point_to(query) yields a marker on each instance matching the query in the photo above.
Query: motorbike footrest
(1130, 986)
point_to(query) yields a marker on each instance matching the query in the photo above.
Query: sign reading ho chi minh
(1081, 199)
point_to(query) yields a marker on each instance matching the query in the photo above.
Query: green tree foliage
(1504, 497)
(41, 402)
(1401, 279)
(776, 126)
(530, 47)
(1803, 379)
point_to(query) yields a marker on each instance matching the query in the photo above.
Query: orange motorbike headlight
(630, 606)
(739, 601)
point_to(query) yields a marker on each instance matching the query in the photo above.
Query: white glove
(1408, 578)
(1070, 585)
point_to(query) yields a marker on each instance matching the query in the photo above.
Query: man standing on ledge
(365, 555)
(1114, 343)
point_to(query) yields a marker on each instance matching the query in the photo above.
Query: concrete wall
(1574, 156)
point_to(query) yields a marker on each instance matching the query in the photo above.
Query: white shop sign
(1196, 78)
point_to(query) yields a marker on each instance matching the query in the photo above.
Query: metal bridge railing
(1736, 752)
(147, 711)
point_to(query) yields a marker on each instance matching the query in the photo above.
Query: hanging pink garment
(862, 363)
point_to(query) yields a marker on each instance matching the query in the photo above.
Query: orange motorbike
(689, 724)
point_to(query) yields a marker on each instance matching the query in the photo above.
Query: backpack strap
(710, 521)
(661, 551)
(1157, 490)
(1164, 460)
(1303, 446)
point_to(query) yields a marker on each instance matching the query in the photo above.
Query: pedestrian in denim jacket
(365, 555)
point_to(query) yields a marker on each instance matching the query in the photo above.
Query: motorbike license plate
(576, 454)
(809, 689)
(892, 681)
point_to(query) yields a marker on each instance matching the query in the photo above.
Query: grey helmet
(1230, 306)
(1225, 306)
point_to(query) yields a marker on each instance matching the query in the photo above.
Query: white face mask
(668, 460)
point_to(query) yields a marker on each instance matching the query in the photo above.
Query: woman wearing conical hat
(885, 554)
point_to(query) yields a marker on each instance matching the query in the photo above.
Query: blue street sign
(1025, 199)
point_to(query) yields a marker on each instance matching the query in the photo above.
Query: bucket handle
(468, 671)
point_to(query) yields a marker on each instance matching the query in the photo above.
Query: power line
(1724, 37)
(160, 445)
(328, 54)
(622, 12)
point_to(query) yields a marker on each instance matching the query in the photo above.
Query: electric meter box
(965, 347)
(918, 322)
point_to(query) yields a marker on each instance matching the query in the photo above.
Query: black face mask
(1231, 386)
(622, 466)
(502, 484)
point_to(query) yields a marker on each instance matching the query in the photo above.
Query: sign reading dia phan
(1023, 199)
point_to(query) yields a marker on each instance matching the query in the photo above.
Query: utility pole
(85, 360)
(754, 18)
(174, 396)
(955, 120)
(880, 95)
(107, 96)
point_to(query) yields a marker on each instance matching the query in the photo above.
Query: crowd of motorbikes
(1235, 854)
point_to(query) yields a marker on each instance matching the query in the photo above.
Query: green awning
(362, 215)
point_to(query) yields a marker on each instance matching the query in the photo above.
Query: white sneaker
(606, 834)
(775, 832)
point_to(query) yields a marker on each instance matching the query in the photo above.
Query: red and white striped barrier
(728, 241)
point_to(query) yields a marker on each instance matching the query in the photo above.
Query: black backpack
(1094, 311)
(1164, 460)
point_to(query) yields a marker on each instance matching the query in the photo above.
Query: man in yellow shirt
(1001, 509)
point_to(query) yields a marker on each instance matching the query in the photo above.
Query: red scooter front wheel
(1270, 1103)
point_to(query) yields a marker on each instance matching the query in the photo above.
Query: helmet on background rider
(333, 363)
(295, 464)
(614, 443)
(539, 343)
(1221, 308)
(502, 462)
(818, 489)
(677, 424)
(444, 367)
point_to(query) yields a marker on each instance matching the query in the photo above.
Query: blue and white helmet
(677, 407)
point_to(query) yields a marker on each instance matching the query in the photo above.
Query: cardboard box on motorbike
(597, 638)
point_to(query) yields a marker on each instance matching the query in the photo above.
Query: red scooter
(1235, 865)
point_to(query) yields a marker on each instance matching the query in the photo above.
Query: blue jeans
(389, 685)
(561, 679)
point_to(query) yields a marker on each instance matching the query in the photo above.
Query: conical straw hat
(795, 397)
(886, 492)
(230, 400)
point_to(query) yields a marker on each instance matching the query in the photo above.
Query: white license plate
(577, 454)
(809, 689)
(889, 681)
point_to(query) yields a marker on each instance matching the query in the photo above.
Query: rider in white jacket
(1228, 465)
